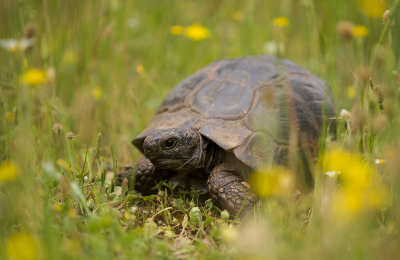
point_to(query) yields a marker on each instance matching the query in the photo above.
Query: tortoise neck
(206, 156)
(213, 156)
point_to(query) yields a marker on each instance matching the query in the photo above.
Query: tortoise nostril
(146, 147)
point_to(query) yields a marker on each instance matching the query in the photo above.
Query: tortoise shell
(247, 106)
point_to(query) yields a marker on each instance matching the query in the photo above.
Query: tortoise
(233, 116)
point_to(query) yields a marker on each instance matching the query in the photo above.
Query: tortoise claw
(147, 176)
(186, 181)
(228, 191)
(125, 173)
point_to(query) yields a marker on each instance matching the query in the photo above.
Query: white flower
(12, 44)
(273, 47)
(134, 210)
(345, 115)
(90, 203)
(332, 173)
(378, 161)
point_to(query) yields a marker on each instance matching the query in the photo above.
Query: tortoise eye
(170, 143)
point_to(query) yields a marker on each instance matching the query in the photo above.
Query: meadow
(80, 79)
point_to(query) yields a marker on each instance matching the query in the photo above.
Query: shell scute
(176, 97)
(250, 72)
(258, 151)
(226, 134)
(222, 99)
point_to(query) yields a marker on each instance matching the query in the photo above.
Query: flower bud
(225, 215)
(195, 215)
(379, 93)
(51, 76)
(387, 19)
(345, 115)
(69, 135)
(134, 210)
(90, 204)
(57, 128)
(29, 30)
(345, 30)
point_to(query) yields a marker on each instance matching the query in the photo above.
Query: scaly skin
(228, 191)
(147, 175)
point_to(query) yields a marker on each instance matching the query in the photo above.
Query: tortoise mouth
(167, 163)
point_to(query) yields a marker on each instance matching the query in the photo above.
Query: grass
(114, 61)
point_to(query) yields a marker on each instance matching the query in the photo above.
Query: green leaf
(78, 196)
(151, 197)
(169, 234)
(177, 202)
(208, 221)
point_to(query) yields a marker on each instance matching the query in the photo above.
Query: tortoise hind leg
(147, 176)
(228, 191)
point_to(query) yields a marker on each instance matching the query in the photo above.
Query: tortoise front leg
(188, 182)
(228, 191)
(147, 176)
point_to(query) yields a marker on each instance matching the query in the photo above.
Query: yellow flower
(347, 204)
(276, 181)
(280, 21)
(34, 77)
(64, 164)
(57, 207)
(353, 172)
(373, 8)
(361, 188)
(360, 31)
(72, 213)
(176, 30)
(139, 68)
(237, 16)
(197, 32)
(97, 93)
(350, 204)
(351, 93)
(10, 116)
(8, 171)
(21, 247)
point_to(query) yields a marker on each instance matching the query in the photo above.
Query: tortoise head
(175, 149)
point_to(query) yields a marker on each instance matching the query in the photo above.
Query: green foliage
(105, 66)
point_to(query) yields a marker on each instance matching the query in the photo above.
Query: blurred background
(70, 70)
